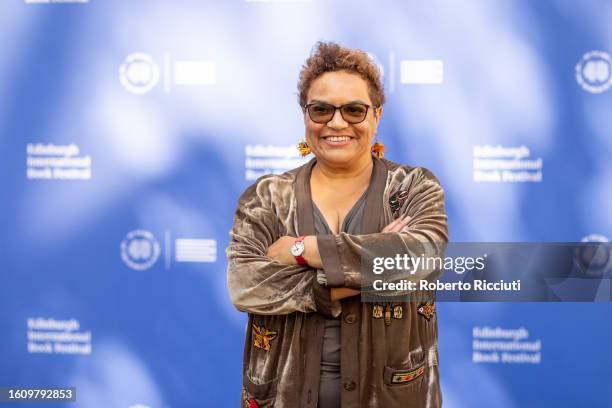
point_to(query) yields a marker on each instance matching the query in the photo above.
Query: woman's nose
(337, 121)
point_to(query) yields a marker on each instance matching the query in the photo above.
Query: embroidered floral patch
(262, 337)
(406, 376)
(397, 200)
(248, 402)
(245, 398)
(427, 310)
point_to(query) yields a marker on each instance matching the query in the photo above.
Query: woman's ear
(379, 112)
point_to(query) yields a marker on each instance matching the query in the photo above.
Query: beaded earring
(378, 149)
(303, 148)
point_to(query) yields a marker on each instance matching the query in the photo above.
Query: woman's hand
(343, 292)
(398, 224)
(281, 250)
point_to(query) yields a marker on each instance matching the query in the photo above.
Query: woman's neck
(358, 170)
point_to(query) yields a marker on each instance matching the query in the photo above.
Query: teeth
(337, 138)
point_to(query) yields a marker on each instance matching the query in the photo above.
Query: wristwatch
(297, 249)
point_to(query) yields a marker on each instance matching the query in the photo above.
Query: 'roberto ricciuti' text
(477, 284)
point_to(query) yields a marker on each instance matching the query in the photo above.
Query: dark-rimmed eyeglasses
(352, 113)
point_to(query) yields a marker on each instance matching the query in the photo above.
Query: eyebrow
(353, 101)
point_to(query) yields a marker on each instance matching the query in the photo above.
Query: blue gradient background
(175, 162)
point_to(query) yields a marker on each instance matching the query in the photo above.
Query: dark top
(330, 386)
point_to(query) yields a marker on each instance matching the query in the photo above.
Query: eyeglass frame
(305, 107)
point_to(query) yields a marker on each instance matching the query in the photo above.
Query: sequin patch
(262, 337)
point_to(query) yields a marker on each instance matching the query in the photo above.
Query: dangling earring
(303, 148)
(378, 149)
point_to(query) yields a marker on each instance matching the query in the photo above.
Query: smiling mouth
(338, 138)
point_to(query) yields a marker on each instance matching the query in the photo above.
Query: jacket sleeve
(346, 257)
(257, 284)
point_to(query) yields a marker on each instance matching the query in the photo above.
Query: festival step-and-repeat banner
(128, 130)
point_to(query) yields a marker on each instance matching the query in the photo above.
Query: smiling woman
(354, 88)
(295, 258)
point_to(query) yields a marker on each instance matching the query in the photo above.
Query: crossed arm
(280, 251)
(263, 277)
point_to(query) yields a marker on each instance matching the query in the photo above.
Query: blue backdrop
(128, 129)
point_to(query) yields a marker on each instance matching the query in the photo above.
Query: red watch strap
(300, 259)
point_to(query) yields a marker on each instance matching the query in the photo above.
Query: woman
(296, 251)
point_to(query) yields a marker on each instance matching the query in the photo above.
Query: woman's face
(339, 143)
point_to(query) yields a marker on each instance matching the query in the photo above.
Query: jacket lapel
(305, 210)
(373, 209)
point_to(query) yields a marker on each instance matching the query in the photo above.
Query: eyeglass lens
(323, 113)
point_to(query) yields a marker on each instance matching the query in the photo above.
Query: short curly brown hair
(329, 57)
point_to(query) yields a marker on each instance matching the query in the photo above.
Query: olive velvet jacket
(389, 354)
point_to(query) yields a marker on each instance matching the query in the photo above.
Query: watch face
(297, 248)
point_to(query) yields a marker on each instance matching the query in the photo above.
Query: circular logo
(140, 250)
(593, 260)
(139, 73)
(594, 71)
